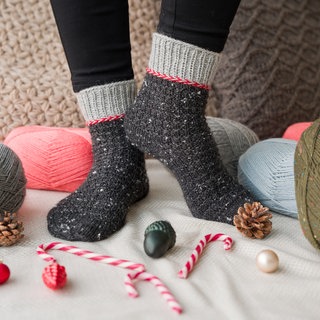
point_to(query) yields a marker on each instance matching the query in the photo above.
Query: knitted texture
(12, 181)
(266, 170)
(53, 158)
(117, 179)
(191, 62)
(269, 76)
(307, 182)
(167, 121)
(233, 139)
(60, 159)
(109, 99)
(35, 86)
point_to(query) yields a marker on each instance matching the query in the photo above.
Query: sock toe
(98, 208)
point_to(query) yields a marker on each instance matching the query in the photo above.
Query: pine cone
(253, 221)
(10, 229)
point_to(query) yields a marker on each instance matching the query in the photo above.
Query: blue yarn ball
(267, 170)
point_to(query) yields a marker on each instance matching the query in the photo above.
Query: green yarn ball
(12, 181)
(307, 182)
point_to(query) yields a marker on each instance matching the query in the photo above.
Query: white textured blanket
(223, 285)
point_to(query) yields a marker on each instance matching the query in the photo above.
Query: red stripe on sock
(110, 118)
(178, 79)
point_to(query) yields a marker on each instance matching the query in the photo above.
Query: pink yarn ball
(53, 158)
(295, 131)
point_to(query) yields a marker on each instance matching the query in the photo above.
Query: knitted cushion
(268, 77)
(35, 86)
(53, 158)
(307, 183)
(266, 170)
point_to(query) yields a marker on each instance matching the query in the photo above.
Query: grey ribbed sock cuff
(106, 100)
(180, 59)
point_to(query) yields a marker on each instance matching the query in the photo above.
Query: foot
(167, 121)
(117, 180)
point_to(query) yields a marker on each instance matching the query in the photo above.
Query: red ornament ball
(4, 273)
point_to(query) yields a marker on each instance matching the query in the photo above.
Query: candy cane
(53, 280)
(183, 273)
(41, 250)
(164, 291)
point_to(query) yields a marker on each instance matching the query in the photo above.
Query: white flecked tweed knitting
(167, 120)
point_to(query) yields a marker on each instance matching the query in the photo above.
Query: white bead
(267, 261)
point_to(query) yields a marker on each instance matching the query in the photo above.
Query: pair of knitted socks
(166, 120)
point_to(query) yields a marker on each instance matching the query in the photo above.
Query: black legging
(96, 41)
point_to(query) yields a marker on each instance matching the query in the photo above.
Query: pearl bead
(267, 261)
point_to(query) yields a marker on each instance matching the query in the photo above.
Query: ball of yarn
(12, 180)
(266, 170)
(295, 131)
(307, 182)
(53, 158)
(233, 139)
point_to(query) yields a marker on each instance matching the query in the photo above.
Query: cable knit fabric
(269, 76)
(35, 87)
(167, 121)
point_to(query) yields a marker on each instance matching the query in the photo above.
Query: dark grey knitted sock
(167, 121)
(117, 179)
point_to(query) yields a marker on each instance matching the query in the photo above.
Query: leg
(95, 37)
(167, 119)
(202, 23)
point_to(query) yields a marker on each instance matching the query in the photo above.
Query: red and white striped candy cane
(164, 291)
(41, 250)
(139, 268)
(183, 273)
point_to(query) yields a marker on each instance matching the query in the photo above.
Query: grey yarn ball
(12, 180)
(233, 139)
